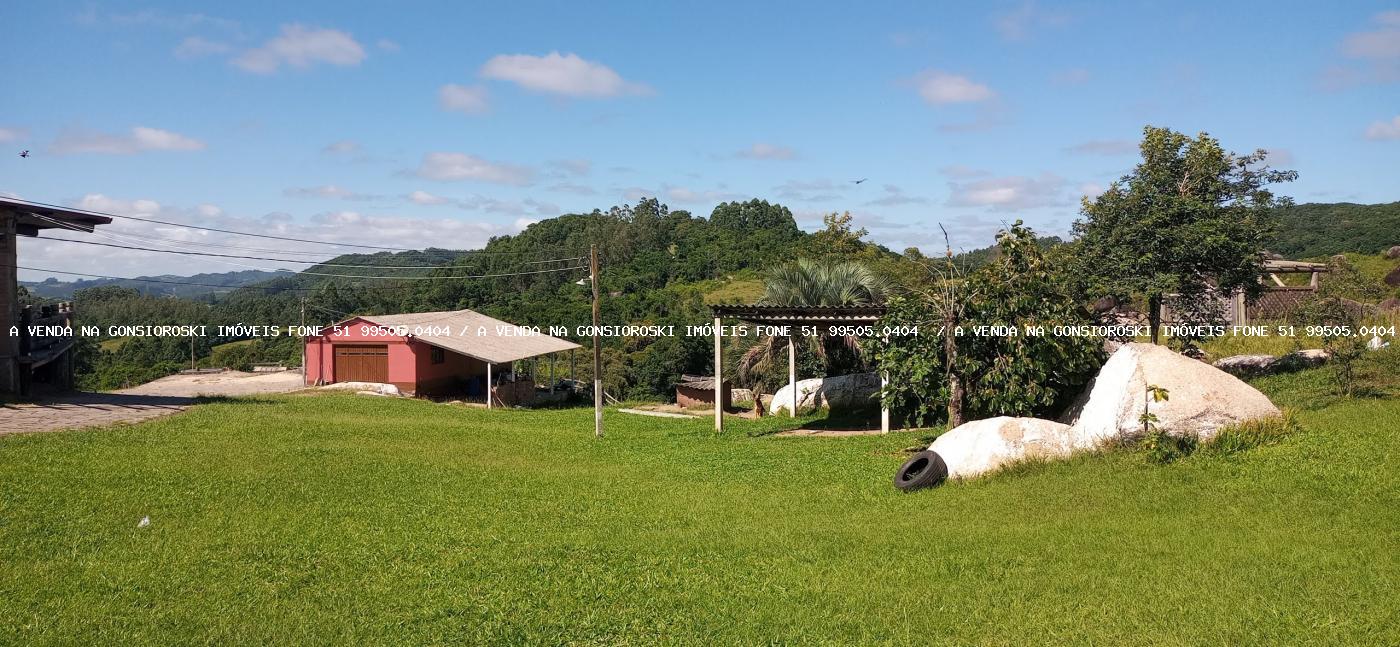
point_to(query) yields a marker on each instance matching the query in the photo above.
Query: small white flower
(145, 521)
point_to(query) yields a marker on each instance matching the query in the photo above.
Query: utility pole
(191, 352)
(597, 350)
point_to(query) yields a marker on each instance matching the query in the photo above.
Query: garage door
(362, 363)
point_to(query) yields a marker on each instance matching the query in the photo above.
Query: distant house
(429, 353)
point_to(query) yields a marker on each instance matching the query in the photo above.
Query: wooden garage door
(362, 363)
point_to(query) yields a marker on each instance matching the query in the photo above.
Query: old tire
(924, 469)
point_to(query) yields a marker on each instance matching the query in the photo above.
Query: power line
(344, 276)
(244, 233)
(274, 288)
(283, 260)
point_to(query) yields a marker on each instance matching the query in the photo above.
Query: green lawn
(357, 520)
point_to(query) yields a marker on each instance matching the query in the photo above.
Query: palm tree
(806, 282)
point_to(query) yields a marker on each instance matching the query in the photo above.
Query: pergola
(792, 316)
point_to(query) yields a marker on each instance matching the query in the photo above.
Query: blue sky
(413, 124)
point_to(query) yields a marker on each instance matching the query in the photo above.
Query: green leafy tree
(992, 374)
(1190, 218)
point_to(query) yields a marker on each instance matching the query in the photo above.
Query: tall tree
(1190, 219)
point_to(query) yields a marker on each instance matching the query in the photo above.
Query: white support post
(488, 385)
(884, 408)
(792, 373)
(719, 378)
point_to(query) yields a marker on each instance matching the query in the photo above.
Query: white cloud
(301, 47)
(1090, 190)
(1017, 24)
(1008, 193)
(572, 167)
(387, 45)
(342, 147)
(685, 195)
(139, 139)
(576, 189)
(1384, 130)
(962, 172)
(1381, 43)
(100, 202)
(941, 88)
(447, 167)
(198, 47)
(457, 231)
(562, 74)
(1105, 147)
(13, 134)
(895, 196)
(461, 98)
(762, 151)
(460, 166)
(329, 191)
(423, 197)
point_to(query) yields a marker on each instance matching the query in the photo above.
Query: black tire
(924, 469)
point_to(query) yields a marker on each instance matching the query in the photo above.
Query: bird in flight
(859, 181)
(24, 153)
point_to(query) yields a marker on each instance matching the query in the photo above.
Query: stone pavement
(151, 400)
(72, 411)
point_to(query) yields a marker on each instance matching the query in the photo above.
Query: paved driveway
(151, 400)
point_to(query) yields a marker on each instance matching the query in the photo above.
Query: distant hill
(223, 282)
(1320, 229)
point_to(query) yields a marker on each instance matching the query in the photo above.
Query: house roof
(31, 217)
(1277, 266)
(498, 343)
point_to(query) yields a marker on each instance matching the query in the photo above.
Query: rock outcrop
(982, 446)
(1202, 398)
(1393, 253)
(1254, 365)
(842, 393)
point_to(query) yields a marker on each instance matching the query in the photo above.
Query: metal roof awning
(766, 314)
(499, 342)
(30, 218)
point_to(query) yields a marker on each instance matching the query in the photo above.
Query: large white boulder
(842, 393)
(1201, 398)
(981, 446)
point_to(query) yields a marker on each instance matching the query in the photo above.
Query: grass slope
(345, 519)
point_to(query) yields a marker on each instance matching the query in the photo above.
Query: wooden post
(597, 349)
(792, 372)
(488, 385)
(719, 378)
(26, 317)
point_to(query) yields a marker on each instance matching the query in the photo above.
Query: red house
(428, 353)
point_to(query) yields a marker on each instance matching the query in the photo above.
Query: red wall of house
(411, 366)
(320, 354)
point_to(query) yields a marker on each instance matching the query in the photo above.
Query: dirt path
(151, 400)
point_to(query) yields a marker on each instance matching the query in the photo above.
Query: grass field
(356, 520)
